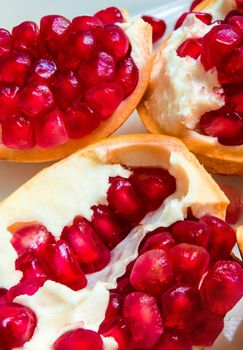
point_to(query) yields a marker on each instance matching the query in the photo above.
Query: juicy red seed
(79, 339)
(81, 120)
(17, 132)
(8, 100)
(153, 185)
(173, 341)
(239, 4)
(123, 286)
(34, 238)
(208, 330)
(99, 69)
(3, 295)
(237, 23)
(234, 96)
(114, 306)
(190, 47)
(234, 210)
(108, 227)
(195, 3)
(5, 41)
(231, 69)
(204, 17)
(90, 251)
(110, 15)
(124, 201)
(181, 307)
(158, 26)
(152, 272)
(127, 75)
(25, 36)
(225, 277)
(222, 239)
(192, 232)
(232, 13)
(51, 130)
(217, 43)
(87, 23)
(81, 44)
(17, 325)
(162, 240)
(190, 262)
(27, 287)
(117, 328)
(30, 266)
(14, 68)
(52, 29)
(104, 98)
(115, 42)
(35, 99)
(44, 69)
(144, 319)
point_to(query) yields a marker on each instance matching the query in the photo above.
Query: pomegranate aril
(190, 262)
(14, 68)
(237, 23)
(181, 307)
(195, 3)
(8, 100)
(3, 296)
(5, 41)
(115, 41)
(234, 210)
(89, 250)
(104, 98)
(152, 272)
(144, 319)
(232, 13)
(80, 44)
(231, 69)
(173, 341)
(222, 239)
(28, 287)
(123, 286)
(127, 75)
(208, 330)
(158, 26)
(91, 23)
(17, 132)
(192, 232)
(117, 329)
(79, 339)
(190, 47)
(239, 4)
(110, 15)
(234, 96)
(124, 201)
(43, 70)
(52, 29)
(202, 16)
(25, 37)
(115, 306)
(30, 266)
(161, 240)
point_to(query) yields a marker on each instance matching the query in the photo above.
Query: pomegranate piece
(110, 15)
(80, 44)
(79, 339)
(115, 42)
(161, 240)
(90, 251)
(239, 4)
(114, 306)
(117, 328)
(124, 201)
(28, 287)
(232, 13)
(8, 100)
(144, 319)
(14, 68)
(190, 262)
(5, 41)
(237, 23)
(194, 4)
(181, 307)
(190, 47)
(91, 23)
(158, 26)
(202, 16)
(123, 286)
(225, 277)
(30, 266)
(173, 341)
(235, 207)
(104, 98)
(127, 76)
(152, 272)
(17, 132)
(193, 232)
(108, 227)
(3, 296)
(35, 99)
(52, 29)
(234, 96)
(153, 185)
(208, 330)
(25, 37)
(231, 68)
(217, 43)
(222, 239)
(44, 70)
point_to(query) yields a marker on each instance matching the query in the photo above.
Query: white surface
(13, 12)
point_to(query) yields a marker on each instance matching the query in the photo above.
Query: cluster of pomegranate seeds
(158, 27)
(60, 80)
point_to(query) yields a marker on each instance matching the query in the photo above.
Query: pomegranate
(235, 207)
(79, 339)
(158, 25)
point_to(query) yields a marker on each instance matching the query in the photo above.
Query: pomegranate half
(196, 86)
(120, 246)
(66, 84)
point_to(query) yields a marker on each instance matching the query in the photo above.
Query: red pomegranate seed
(110, 15)
(234, 95)
(217, 43)
(127, 76)
(52, 29)
(222, 238)
(195, 3)
(161, 240)
(25, 37)
(181, 307)
(208, 330)
(80, 44)
(8, 100)
(30, 266)
(17, 132)
(79, 339)
(81, 120)
(28, 287)
(192, 232)
(190, 47)
(14, 68)
(99, 69)
(3, 296)
(173, 341)
(225, 277)
(144, 320)
(202, 16)
(232, 13)
(124, 201)
(239, 4)
(35, 99)
(87, 23)
(115, 42)
(237, 23)
(231, 69)
(114, 306)
(152, 272)
(190, 262)
(108, 227)
(90, 251)
(158, 26)
(17, 325)
(5, 41)
(44, 70)
(235, 207)
(123, 286)
(104, 98)
(51, 130)
(117, 328)
(153, 185)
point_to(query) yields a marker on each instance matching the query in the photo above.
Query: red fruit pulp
(114, 307)
(110, 15)
(234, 210)
(161, 240)
(127, 75)
(5, 41)
(194, 4)
(25, 37)
(190, 47)
(17, 132)
(208, 330)
(115, 42)
(158, 26)
(173, 341)
(79, 339)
